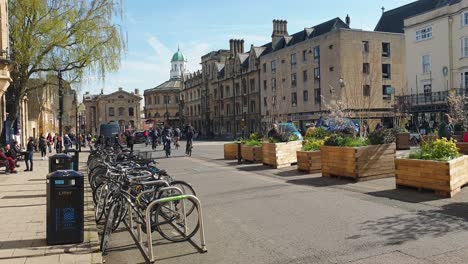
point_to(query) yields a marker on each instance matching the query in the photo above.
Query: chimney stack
(241, 44)
(280, 29)
(137, 91)
(231, 46)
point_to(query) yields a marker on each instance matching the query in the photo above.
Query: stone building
(436, 43)
(121, 107)
(303, 74)
(43, 107)
(5, 63)
(162, 102)
(191, 100)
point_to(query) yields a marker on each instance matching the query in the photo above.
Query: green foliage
(440, 150)
(255, 140)
(313, 144)
(256, 137)
(317, 133)
(382, 136)
(345, 141)
(76, 37)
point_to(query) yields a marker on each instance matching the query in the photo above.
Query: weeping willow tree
(77, 37)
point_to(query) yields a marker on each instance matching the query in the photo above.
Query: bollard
(239, 158)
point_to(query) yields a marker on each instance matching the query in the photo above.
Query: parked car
(290, 128)
(139, 137)
(340, 124)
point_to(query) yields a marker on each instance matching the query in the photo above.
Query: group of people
(10, 155)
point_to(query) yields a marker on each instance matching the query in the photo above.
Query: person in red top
(11, 162)
(465, 137)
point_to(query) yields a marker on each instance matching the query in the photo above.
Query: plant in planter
(280, 151)
(437, 166)
(359, 158)
(251, 148)
(402, 138)
(309, 158)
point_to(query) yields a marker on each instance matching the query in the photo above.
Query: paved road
(254, 214)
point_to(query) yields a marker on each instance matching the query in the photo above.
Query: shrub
(256, 137)
(317, 133)
(440, 150)
(382, 136)
(313, 144)
(345, 141)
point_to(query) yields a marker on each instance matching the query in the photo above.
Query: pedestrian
(446, 127)
(274, 132)
(42, 147)
(129, 139)
(29, 155)
(67, 142)
(166, 136)
(50, 142)
(145, 134)
(378, 127)
(10, 163)
(189, 137)
(58, 144)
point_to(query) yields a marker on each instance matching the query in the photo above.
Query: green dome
(178, 56)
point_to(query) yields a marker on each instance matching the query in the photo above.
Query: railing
(429, 98)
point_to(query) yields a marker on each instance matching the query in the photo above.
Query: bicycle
(189, 147)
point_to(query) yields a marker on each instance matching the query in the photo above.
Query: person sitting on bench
(10, 152)
(10, 162)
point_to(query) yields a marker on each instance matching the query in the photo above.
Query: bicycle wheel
(170, 222)
(107, 231)
(102, 193)
(186, 188)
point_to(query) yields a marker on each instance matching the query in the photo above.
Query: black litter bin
(65, 202)
(75, 158)
(59, 162)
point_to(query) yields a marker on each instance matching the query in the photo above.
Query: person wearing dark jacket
(130, 141)
(29, 155)
(59, 145)
(43, 147)
(274, 132)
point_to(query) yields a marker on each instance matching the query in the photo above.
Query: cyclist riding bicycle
(176, 137)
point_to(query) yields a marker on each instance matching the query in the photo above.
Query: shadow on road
(409, 195)
(321, 181)
(412, 226)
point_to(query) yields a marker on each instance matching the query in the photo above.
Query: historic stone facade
(5, 63)
(121, 107)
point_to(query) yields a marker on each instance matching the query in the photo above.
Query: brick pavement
(23, 220)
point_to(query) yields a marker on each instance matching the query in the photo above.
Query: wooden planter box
(309, 161)
(230, 151)
(360, 163)
(252, 154)
(403, 141)
(445, 178)
(463, 146)
(280, 155)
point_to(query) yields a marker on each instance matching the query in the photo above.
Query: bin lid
(64, 173)
(71, 150)
(60, 156)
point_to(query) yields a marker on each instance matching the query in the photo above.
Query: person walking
(166, 136)
(189, 137)
(58, 144)
(446, 127)
(67, 142)
(42, 147)
(50, 142)
(130, 141)
(29, 155)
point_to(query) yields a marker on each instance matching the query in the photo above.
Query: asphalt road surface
(254, 214)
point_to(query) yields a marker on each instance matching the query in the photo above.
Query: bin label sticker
(59, 182)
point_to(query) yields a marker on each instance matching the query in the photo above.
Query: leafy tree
(78, 37)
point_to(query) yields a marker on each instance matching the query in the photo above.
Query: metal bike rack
(148, 249)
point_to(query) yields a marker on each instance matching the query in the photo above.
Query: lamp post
(167, 101)
(60, 92)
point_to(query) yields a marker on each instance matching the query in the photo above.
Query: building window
(273, 84)
(316, 54)
(304, 76)
(221, 92)
(293, 79)
(426, 64)
(365, 46)
(111, 111)
(464, 80)
(121, 111)
(294, 99)
(385, 49)
(274, 100)
(465, 19)
(149, 100)
(264, 85)
(317, 73)
(157, 100)
(305, 96)
(293, 59)
(317, 96)
(264, 67)
(366, 68)
(273, 66)
(331, 68)
(386, 95)
(366, 90)
(252, 85)
(265, 102)
(427, 89)
(423, 34)
(252, 107)
(228, 91)
(464, 47)
(386, 71)
(130, 111)
(304, 55)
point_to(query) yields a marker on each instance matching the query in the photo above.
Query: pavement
(255, 214)
(23, 220)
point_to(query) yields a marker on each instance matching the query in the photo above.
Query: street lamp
(167, 101)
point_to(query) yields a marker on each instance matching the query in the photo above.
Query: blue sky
(156, 27)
